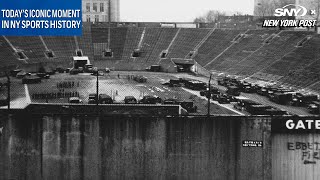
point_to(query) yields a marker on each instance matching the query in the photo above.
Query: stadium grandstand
(272, 55)
(227, 99)
(150, 100)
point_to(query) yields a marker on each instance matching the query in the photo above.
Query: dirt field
(116, 84)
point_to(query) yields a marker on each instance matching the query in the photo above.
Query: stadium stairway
(150, 39)
(300, 57)
(131, 43)
(31, 46)
(147, 46)
(306, 77)
(63, 47)
(85, 41)
(247, 44)
(280, 45)
(100, 39)
(117, 42)
(216, 43)
(186, 41)
(195, 50)
(166, 37)
(99, 34)
(314, 87)
(7, 54)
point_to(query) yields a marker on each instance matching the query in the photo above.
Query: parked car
(60, 69)
(170, 101)
(223, 100)
(21, 74)
(140, 79)
(100, 73)
(314, 107)
(105, 99)
(92, 101)
(73, 71)
(130, 100)
(93, 98)
(3, 102)
(75, 100)
(150, 100)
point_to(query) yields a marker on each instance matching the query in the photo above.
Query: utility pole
(109, 24)
(8, 89)
(97, 101)
(209, 95)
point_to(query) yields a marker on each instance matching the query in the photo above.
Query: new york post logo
(291, 10)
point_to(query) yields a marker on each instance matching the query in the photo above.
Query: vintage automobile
(148, 99)
(75, 100)
(130, 100)
(105, 99)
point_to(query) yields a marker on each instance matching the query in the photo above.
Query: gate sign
(35, 17)
(295, 124)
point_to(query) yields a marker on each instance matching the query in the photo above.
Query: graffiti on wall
(310, 151)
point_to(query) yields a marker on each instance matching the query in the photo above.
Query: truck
(213, 90)
(195, 85)
(80, 61)
(88, 68)
(148, 99)
(258, 109)
(187, 105)
(31, 80)
(314, 107)
(105, 99)
(154, 68)
(233, 90)
(303, 99)
(93, 98)
(174, 83)
(140, 79)
(274, 111)
(130, 100)
(243, 104)
(281, 98)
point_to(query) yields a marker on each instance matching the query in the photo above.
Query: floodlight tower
(109, 19)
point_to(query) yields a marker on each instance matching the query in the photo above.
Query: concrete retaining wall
(91, 147)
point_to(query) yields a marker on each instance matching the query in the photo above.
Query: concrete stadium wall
(91, 147)
(198, 69)
(167, 66)
(296, 156)
(296, 151)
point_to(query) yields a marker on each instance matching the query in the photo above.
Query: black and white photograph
(160, 89)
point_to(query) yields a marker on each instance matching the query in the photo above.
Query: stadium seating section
(186, 41)
(32, 47)
(7, 54)
(85, 41)
(217, 42)
(286, 56)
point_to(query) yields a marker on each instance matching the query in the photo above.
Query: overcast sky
(177, 10)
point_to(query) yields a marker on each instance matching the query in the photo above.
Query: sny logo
(297, 11)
